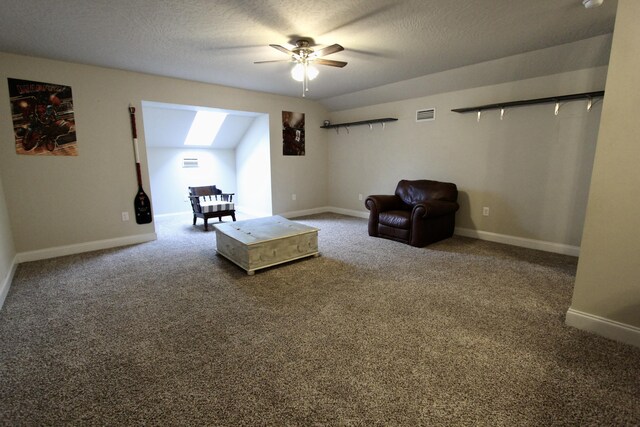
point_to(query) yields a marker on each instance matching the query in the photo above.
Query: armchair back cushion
(420, 212)
(413, 192)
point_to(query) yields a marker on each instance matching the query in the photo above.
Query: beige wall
(532, 169)
(61, 201)
(608, 278)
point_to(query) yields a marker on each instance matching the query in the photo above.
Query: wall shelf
(556, 99)
(370, 123)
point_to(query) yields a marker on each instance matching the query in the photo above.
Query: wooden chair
(210, 202)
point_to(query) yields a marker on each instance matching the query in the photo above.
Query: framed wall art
(292, 134)
(43, 118)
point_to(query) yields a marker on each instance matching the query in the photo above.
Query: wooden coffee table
(264, 242)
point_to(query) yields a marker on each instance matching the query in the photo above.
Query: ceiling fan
(304, 57)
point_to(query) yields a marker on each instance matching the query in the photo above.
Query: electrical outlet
(125, 216)
(359, 196)
(293, 196)
(485, 211)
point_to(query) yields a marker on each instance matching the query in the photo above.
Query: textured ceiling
(386, 41)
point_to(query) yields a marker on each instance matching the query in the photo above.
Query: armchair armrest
(195, 203)
(434, 208)
(381, 203)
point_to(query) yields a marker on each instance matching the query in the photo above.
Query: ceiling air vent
(189, 162)
(426, 114)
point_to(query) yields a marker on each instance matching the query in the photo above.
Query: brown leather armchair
(419, 213)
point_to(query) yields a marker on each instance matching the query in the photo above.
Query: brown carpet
(373, 332)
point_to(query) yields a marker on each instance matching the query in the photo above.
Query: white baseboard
(519, 241)
(84, 247)
(325, 209)
(188, 213)
(607, 328)
(241, 210)
(466, 232)
(295, 214)
(6, 283)
(349, 212)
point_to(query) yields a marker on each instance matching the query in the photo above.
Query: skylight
(204, 128)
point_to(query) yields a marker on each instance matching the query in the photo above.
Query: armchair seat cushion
(216, 206)
(396, 219)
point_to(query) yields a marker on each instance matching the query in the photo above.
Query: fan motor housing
(302, 48)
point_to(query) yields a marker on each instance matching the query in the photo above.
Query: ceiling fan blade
(328, 50)
(281, 49)
(329, 62)
(273, 60)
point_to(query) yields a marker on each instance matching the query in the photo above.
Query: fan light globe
(297, 72)
(312, 72)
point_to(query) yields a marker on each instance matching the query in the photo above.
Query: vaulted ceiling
(385, 41)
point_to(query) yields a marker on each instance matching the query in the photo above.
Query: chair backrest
(208, 190)
(412, 192)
